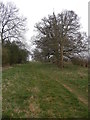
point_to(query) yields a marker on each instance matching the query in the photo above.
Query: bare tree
(12, 25)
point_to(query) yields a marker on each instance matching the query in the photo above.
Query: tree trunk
(61, 57)
(2, 39)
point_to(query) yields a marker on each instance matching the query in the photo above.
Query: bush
(5, 56)
(14, 53)
(80, 61)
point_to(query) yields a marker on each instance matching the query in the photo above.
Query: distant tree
(12, 25)
(12, 30)
(38, 55)
(60, 36)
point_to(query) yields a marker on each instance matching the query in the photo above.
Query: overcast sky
(35, 10)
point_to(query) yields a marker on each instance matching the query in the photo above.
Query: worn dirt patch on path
(34, 107)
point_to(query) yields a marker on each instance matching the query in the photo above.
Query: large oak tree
(60, 36)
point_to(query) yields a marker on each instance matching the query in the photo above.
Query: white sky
(35, 10)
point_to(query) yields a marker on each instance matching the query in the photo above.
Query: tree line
(58, 38)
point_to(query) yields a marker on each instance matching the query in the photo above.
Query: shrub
(5, 56)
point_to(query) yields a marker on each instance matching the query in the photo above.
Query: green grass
(36, 90)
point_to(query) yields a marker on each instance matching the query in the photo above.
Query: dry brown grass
(35, 90)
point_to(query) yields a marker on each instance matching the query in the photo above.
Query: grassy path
(78, 96)
(42, 90)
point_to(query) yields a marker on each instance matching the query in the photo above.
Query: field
(40, 90)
